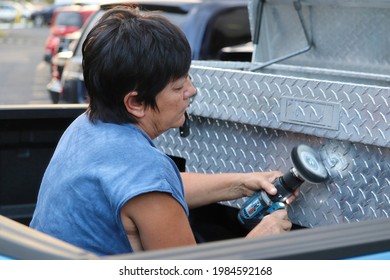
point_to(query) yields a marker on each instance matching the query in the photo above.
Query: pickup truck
(319, 76)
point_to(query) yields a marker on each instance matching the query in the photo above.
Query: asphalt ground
(23, 72)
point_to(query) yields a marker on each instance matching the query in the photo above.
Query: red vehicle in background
(66, 20)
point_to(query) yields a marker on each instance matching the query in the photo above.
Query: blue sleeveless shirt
(95, 170)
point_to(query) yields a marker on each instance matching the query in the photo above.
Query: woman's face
(172, 102)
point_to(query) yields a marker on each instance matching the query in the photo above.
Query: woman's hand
(251, 183)
(203, 189)
(274, 223)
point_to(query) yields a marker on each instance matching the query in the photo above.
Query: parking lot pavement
(18, 25)
(23, 73)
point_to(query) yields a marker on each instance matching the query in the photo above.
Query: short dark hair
(128, 51)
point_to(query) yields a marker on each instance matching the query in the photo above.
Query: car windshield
(69, 19)
(7, 8)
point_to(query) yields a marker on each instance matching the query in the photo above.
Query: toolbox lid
(334, 35)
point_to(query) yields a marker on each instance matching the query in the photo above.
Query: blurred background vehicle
(15, 12)
(43, 16)
(25, 9)
(66, 20)
(242, 52)
(9, 12)
(209, 26)
(64, 52)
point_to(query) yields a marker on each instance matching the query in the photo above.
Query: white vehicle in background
(25, 8)
(8, 12)
(12, 12)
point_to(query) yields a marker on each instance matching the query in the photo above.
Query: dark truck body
(28, 137)
(319, 76)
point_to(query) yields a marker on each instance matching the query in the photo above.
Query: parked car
(242, 52)
(66, 20)
(9, 12)
(209, 25)
(25, 9)
(43, 16)
(65, 51)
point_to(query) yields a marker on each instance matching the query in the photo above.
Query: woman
(107, 188)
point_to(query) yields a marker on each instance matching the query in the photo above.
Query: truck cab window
(228, 29)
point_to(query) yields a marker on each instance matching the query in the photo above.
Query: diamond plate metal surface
(334, 98)
(236, 126)
(362, 113)
(350, 35)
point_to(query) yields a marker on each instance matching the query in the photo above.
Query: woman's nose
(191, 90)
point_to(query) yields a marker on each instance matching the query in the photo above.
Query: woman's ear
(133, 106)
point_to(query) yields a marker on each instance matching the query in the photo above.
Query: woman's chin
(180, 122)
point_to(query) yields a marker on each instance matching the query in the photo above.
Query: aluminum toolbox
(319, 76)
